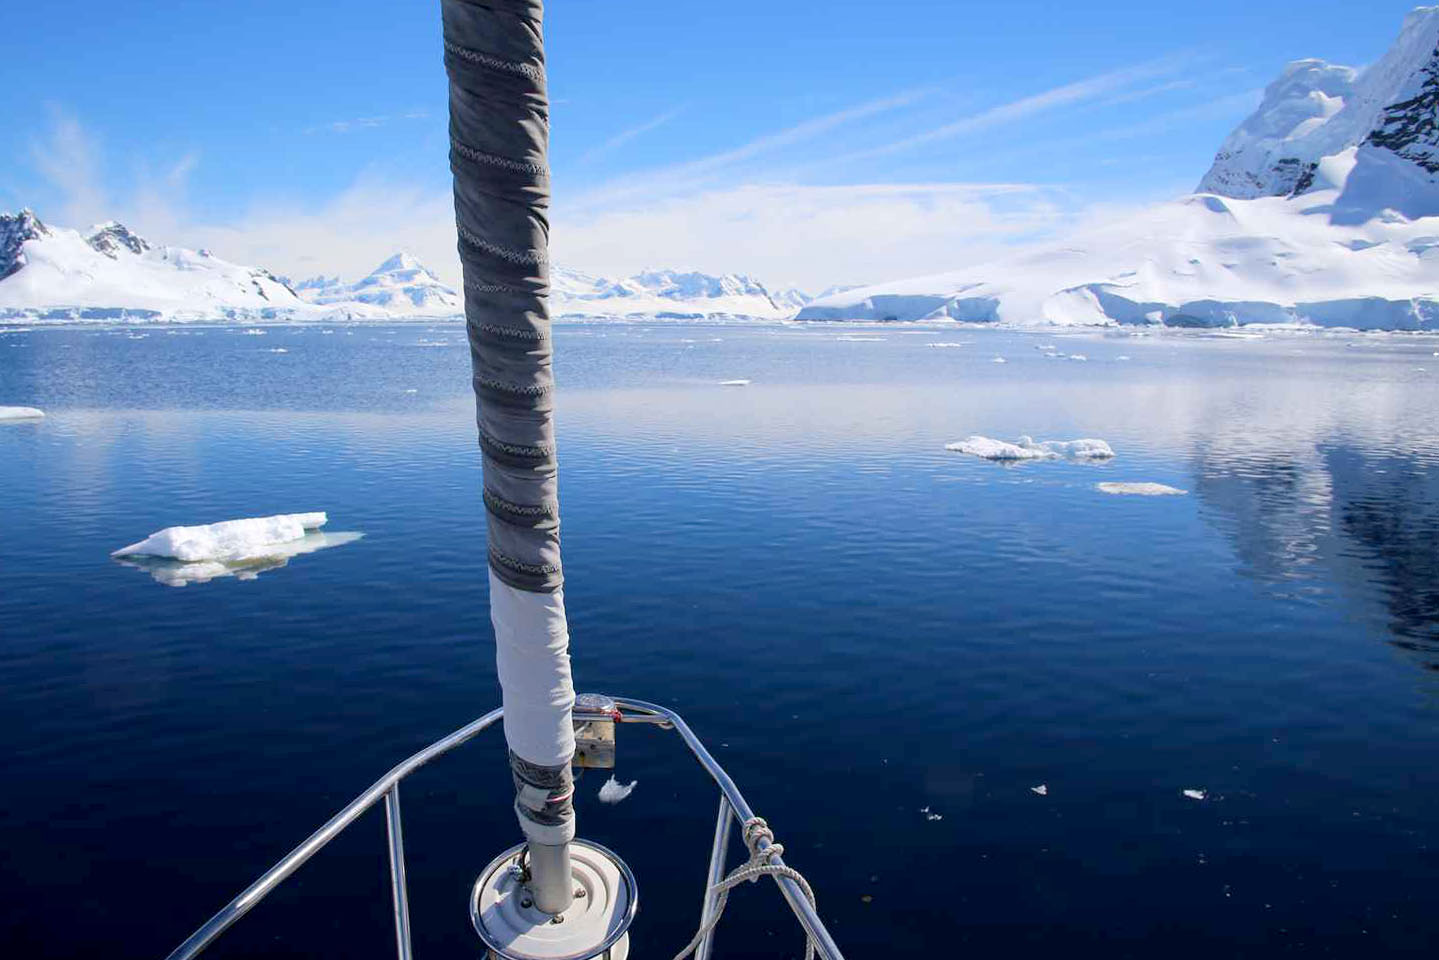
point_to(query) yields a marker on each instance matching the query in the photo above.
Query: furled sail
(499, 136)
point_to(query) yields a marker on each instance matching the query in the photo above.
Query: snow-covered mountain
(669, 294)
(399, 287)
(1321, 208)
(50, 273)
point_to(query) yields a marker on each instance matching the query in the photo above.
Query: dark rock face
(15, 229)
(110, 238)
(1410, 127)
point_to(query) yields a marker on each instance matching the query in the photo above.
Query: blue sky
(804, 141)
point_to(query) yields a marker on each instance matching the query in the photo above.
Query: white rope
(758, 865)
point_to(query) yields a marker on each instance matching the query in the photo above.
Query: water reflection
(1337, 512)
(178, 573)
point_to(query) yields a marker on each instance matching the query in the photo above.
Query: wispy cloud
(68, 158)
(1069, 94)
(365, 123)
(625, 136)
(697, 173)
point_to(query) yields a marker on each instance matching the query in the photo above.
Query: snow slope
(1345, 238)
(50, 273)
(399, 287)
(668, 295)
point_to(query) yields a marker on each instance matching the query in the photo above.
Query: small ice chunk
(1077, 356)
(254, 332)
(999, 360)
(21, 413)
(1196, 794)
(989, 449)
(852, 339)
(934, 816)
(1042, 789)
(1028, 449)
(950, 343)
(734, 383)
(228, 540)
(278, 350)
(613, 791)
(1121, 358)
(1140, 489)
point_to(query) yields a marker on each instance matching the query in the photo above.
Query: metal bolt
(557, 918)
(579, 892)
(527, 903)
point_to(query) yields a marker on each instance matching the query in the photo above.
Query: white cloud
(809, 236)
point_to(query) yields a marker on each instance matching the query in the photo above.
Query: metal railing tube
(398, 886)
(718, 853)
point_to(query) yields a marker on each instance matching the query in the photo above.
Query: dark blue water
(860, 623)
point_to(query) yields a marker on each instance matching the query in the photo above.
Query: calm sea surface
(860, 623)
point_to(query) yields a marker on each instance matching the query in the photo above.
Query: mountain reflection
(1366, 521)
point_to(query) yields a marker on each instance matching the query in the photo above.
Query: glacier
(1321, 210)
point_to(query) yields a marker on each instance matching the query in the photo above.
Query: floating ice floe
(1042, 790)
(228, 540)
(999, 360)
(930, 814)
(1077, 356)
(278, 350)
(1140, 489)
(1027, 449)
(1196, 794)
(851, 339)
(613, 791)
(21, 413)
(254, 332)
(734, 383)
(947, 343)
(179, 573)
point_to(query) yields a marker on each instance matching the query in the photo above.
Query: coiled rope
(758, 865)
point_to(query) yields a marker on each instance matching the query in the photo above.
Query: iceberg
(1140, 489)
(227, 541)
(987, 448)
(21, 413)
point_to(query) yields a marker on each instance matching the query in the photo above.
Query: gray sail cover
(499, 138)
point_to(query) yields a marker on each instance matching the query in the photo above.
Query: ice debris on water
(613, 791)
(1140, 489)
(228, 540)
(21, 413)
(999, 360)
(930, 814)
(949, 343)
(1196, 794)
(734, 383)
(1042, 790)
(254, 332)
(1027, 449)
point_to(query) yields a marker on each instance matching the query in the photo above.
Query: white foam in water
(227, 541)
(1140, 489)
(1026, 449)
(21, 413)
(734, 383)
(613, 791)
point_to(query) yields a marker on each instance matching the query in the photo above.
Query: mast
(499, 139)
